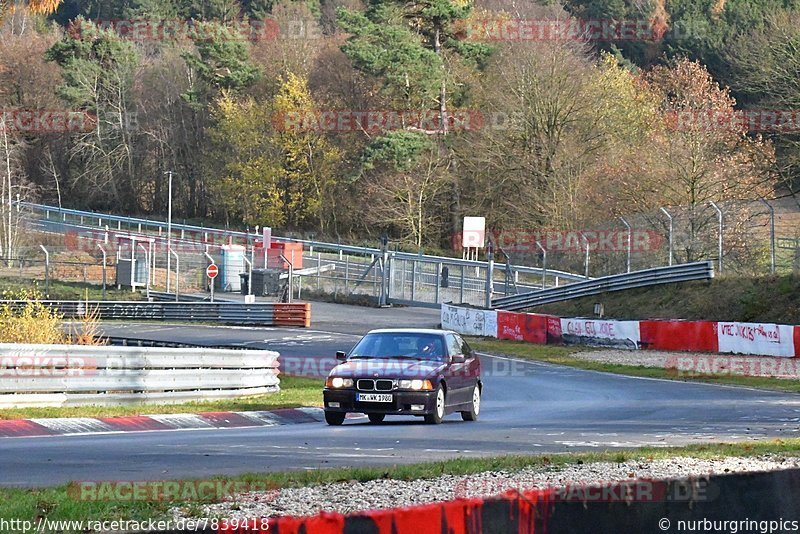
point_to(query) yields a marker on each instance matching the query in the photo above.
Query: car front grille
(368, 384)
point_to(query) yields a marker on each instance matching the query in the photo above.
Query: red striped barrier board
(469, 321)
(756, 338)
(601, 332)
(528, 327)
(698, 336)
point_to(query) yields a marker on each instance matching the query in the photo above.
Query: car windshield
(400, 345)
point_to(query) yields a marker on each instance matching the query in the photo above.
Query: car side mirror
(458, 358)
(341, 355)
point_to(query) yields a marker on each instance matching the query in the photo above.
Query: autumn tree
(276, 174)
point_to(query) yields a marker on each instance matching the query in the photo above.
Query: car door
(456, 375)
(472, 367)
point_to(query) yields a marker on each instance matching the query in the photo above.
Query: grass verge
(68, 290)
(561, 356)
(61, 504)
(295, 392)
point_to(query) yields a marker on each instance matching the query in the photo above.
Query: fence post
(104, 269)
(177, 271)
(147, 262)
(544, 263)
(206, 276)
(46, 271)
(586, 258)
(630, 242)
(771, 235)
(665, 212)
(721, 228)
(489, 275)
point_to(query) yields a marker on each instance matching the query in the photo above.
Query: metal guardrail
(702, 270)
(71, 375)
(260, 314)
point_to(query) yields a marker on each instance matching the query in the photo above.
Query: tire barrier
(758, 339)
(743, 502)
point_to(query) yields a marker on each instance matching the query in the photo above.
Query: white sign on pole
(474, 232)
(267, 237)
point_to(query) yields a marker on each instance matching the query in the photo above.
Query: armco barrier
(759, 339)
(259, 314)
(71, 375)
(756, 502)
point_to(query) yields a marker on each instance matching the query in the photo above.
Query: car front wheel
(438, 412)
(475, 408)
(334, 418)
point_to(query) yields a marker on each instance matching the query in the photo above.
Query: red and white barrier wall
(762, 339)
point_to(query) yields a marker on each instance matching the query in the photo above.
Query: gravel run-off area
(352, 496)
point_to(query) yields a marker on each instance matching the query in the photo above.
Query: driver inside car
(429, 349)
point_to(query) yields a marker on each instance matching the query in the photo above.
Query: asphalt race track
(528, 408)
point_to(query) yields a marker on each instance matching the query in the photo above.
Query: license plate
(373, 397)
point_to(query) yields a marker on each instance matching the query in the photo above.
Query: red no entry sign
(212, 271)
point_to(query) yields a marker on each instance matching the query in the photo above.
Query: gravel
(704, 363)
(353, 496)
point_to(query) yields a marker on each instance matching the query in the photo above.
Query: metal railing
(702, 270)
(62, 375)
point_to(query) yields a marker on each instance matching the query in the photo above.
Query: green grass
(68, 290)
(295, 392)
(58, 504)
(561, 356)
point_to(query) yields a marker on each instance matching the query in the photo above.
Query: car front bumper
(402, 402)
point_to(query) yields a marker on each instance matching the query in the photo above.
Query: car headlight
(416, 385)
(337, 382)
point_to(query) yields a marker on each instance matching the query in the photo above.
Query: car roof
(410, 331)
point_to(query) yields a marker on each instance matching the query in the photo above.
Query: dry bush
(29, 322)
(86, 331)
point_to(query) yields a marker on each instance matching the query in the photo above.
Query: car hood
(387, 368)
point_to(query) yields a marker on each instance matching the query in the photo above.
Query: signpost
(211, 272)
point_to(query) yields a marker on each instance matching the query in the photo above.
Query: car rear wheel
(475, 408)
(376, 418)
(438, 413)
(334, 418)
